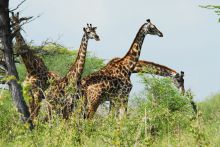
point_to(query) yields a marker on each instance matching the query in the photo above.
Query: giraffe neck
(153, 68)
(76, 69)
(132, 56)
(23, 51)
(19, 41)
(33, 64)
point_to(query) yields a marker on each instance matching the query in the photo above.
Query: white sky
(190, 42)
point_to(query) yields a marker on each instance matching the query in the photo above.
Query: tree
(216, 8)
(9, 64)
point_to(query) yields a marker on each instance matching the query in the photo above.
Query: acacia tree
(8, 63)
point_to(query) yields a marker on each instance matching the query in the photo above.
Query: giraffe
(149, 67)
(161, 70)
(73, 77)
(143, 66)
(37, 72)
(152, 68)
(113, 81)
(179, 81)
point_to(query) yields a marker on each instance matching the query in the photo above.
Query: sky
(190, 42)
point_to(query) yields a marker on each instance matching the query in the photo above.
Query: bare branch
(20, 21)
(30, 19)
(17, 6)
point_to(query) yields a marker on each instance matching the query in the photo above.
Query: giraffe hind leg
(118, 106)
(93, 101)
(93, 107)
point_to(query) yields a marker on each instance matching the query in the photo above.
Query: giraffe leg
(123, 106)
(114, 107)
(123, 97)
(93, 108)
(93, 101)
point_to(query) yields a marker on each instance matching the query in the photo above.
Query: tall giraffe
(113, 81)
(37, 72)
(73, 77)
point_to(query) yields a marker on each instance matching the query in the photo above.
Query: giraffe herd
(110, 83)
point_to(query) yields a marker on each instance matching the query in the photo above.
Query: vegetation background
(159, 116)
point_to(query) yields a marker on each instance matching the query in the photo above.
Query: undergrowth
(162, 117)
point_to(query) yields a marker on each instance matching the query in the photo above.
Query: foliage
(211, 115)
(166, 108)
(216, 8)
(59, 59)
(162, 117)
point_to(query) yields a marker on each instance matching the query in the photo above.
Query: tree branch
(17, 6)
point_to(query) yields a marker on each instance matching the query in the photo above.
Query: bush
(166, 112)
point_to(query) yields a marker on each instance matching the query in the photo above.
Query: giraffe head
(179, 81)
(91, 32)
(151, 29)
(15, 20)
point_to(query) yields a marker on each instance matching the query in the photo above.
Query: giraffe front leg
(123, 106)
(123, 97)
(114, 107)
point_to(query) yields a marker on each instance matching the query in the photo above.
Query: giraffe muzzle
(160, 34)
(97, 38)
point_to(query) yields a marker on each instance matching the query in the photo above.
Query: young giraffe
(37, 72)
(113, 81)
(72, 79)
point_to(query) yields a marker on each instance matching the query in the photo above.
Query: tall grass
(162, 117)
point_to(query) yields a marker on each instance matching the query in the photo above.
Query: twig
(17, 6)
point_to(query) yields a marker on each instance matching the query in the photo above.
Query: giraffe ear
(148, 20)
(84, 29)
(95, 28)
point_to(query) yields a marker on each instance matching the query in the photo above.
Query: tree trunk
(6, 40)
